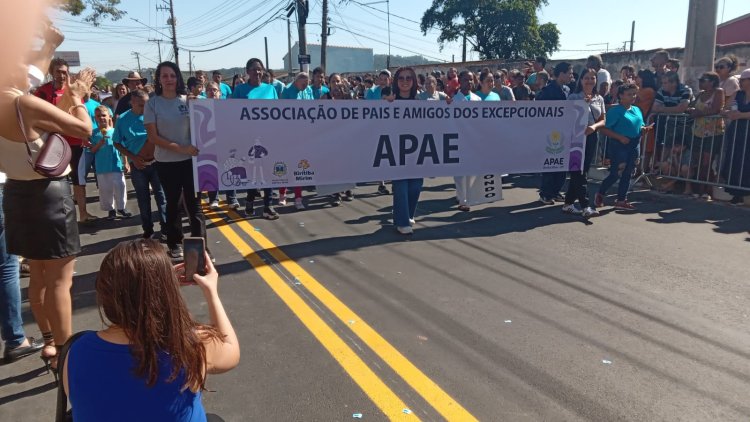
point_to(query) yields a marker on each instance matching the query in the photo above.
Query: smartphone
(194, 250)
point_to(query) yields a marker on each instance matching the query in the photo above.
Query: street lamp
(388, 13)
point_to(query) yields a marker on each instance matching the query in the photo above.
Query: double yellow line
(391, 405)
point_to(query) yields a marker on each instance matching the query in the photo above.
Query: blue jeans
(552, 184)
(405, 197)
(141, 180)
(11, 324)
(620, 153)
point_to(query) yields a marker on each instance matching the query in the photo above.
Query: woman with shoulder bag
(39, 210)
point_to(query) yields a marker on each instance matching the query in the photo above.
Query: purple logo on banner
(208, 167)
(578, 137)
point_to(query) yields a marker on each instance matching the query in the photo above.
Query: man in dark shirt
(133, 82)
(552, 182)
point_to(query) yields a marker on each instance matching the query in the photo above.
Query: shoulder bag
(53, 158)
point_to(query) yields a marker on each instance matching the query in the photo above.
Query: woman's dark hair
(486, 73)
(386, 92)
(648, 79)
(579, 84)
(331, 77)
(137, 290)
(731, 61)
(672, 77)
(235, 78)
(625, 87)
(713, 77)
(412, 91)
(157, 80)
(440, 85)
(252, 61)
(628, 67)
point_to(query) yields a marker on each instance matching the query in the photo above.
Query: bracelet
(70, 110)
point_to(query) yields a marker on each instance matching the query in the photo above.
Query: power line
(398, 48)
(336, 11)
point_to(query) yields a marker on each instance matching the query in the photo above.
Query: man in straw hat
(133, 82)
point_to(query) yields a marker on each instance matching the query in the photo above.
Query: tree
(100, 9)
(496, 29)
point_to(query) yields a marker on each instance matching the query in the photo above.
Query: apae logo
(279, 169)
(555, 143)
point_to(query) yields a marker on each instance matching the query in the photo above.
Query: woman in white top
(40, 217)
(725, 67)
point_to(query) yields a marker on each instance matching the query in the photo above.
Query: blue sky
(205, 24)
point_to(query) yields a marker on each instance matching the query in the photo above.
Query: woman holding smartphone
(152, 352)
(167, 122)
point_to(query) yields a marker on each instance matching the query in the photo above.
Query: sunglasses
(721, 66)
(405, 78)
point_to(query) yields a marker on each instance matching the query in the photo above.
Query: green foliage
(99, 9)
(101, 82)
(496, 29)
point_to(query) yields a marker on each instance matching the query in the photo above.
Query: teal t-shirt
(292, 93)
(91, 106)
(107, 158)
(319, 92)
(260, 92)
(626, 122)
(279, 86)
(130, 132)
(226, 90)
(492, 96)
(373, 93)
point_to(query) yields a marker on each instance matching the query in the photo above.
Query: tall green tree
(98, 9)
(496, 29)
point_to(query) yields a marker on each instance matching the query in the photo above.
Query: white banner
(484, 189)
(247, 144)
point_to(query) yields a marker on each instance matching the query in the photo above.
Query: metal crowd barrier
(708, 150)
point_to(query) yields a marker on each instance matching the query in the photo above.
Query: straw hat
(134, 76)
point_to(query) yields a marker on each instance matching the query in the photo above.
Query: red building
(734, 31)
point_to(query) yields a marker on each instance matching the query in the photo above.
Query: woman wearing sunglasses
(730, 83)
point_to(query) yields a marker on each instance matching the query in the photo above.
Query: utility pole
(138, 58)
(700, 40)
(632, 36)
(302, 11)
(265, 40)
(158, 46)
(190, 62)
(463, 55)
(289, 43)
(388, 10)
(173, 23)
(324, 35)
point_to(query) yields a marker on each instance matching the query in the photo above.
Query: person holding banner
(624, 124)
(487, 86)
(578, 187)
(255, 89)
(406, 191)
(552, 182)
(375, 93)
(299, 90)
(167, 121)
(465, 93)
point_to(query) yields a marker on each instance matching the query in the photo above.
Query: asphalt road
(512, 312)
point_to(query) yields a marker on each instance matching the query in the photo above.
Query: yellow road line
(441, 401)
(383, 397)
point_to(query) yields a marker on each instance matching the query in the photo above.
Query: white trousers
(112, 193)
(463, 183)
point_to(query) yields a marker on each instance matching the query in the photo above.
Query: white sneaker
(298, 204)
(571, 209)
(282, 201)
(405, 230)
(590, 212)
(412, 222)
(214, 205)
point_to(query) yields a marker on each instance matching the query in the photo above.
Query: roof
(739, 18)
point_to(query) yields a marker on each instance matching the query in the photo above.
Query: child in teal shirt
(109, 167)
